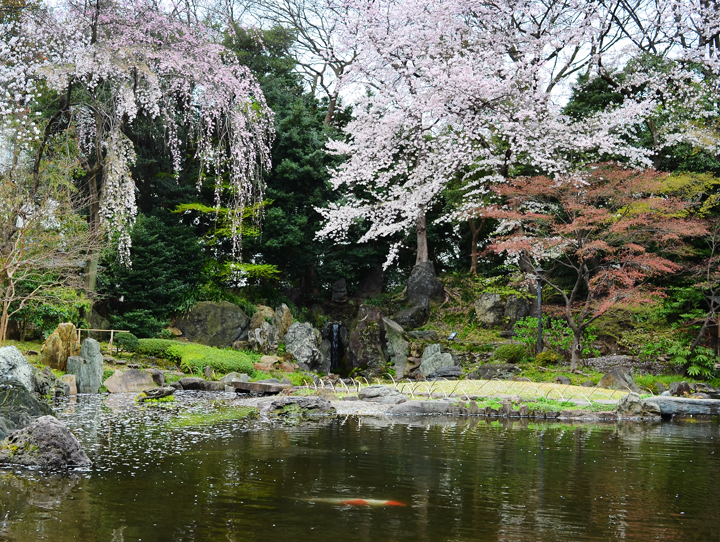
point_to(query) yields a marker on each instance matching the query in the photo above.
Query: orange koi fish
(374, 503)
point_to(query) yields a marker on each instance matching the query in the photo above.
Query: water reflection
(462, 480)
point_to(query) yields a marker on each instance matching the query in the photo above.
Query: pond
(460, 479)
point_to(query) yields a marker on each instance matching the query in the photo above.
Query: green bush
(195, 357)
(154, 347)
(127, 342)
(511, 353)
(548, 357)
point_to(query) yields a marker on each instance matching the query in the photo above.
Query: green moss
(511, 353)
(213, 416)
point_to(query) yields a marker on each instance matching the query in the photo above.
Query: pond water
(155, 479)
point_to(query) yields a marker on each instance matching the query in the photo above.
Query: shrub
(511, 353)
(127, 342)
(140, 322)
(154, 347)
(195, 357)
(548, 357)
(165, 334)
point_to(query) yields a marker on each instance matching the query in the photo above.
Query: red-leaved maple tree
(601, 234)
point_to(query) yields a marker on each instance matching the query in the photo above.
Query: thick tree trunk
(332, 103)
(576, 350)
(474, 244)
(421, 229)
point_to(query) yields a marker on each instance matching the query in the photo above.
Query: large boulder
(680, 389)
(214, 324)
(18, 406)
(414, 317)
(87, 367)
(619, 378)
(296, 406)
(490, 310)
(630, 406)
(303, 341)
(283, 320)
(397, 346)
(59, 346)
(263, 338)
(515, 309)
(423, 285)
(682, 406)
(45, 443)
(434, 359)
(13, 365)
(366, 341)
(382, 394)
(49, 385)
(262, 314)
(131, 381)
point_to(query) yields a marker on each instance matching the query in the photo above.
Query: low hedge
(194, 358)
(154, 347)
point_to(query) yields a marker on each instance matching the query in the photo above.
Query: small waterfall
(335, 346)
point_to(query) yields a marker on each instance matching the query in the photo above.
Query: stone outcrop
(434, 359)
(619, 378)
(263, 338)
(130, 381)
(680, 389)
(45, 443)
(366, 341)
(13, 365)
(451, 372)
(381, 394)
(18, 407)
(49, 385)
(339, 293)
(683, 406)
(515, 309)
(87, 367)
(303, 341)
(283, 320)
(490, 310)
(59, 346)
(494, 371)
(214, 324)
(423, 285)
(397, 346)
(296, 406)
(630, 406)
(413, 317)
(262, 314)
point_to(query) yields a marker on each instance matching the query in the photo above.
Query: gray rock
(157, 393)
(339, 293)
(516, 308)
(292, 406)
(45, 443)
(490, 310)
(59, 346)
(564, 380)
(680, 389)
(429, 335)
(303, 341)
(194, 383)
(367, 338)
(46, 384)
(13, 365)
(381, 394)
(660, 388)
(433, 359)
(423, 285)
(494, 371)
(18, 406)
(87, 367)
(682, 406)
(269, 381)
(214, 324)
(450, 373)
(371, 284)
(421, 407)
(283, 320)
(176, 386)
(263, 338)
(588, 384)
(130, 381)
(235, 377)
(619, 378)
(157, 375)
(397, 346)
(413, 317)
(630, 406)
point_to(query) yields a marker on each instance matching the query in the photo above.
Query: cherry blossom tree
(603, 233)
(101, 65)
(463, 87)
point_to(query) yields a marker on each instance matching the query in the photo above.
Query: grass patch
(296, 379)
(220, 415)
(649, 382)
(155, 348)
(193, 358)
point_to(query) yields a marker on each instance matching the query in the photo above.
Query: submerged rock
(421, 407)
(296, 406)
(157, 393)
(45, 443)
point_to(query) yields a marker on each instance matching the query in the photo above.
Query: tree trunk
(421, 230)
(332, 102)
(576, 350)
(94, 222)
(474, 244)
